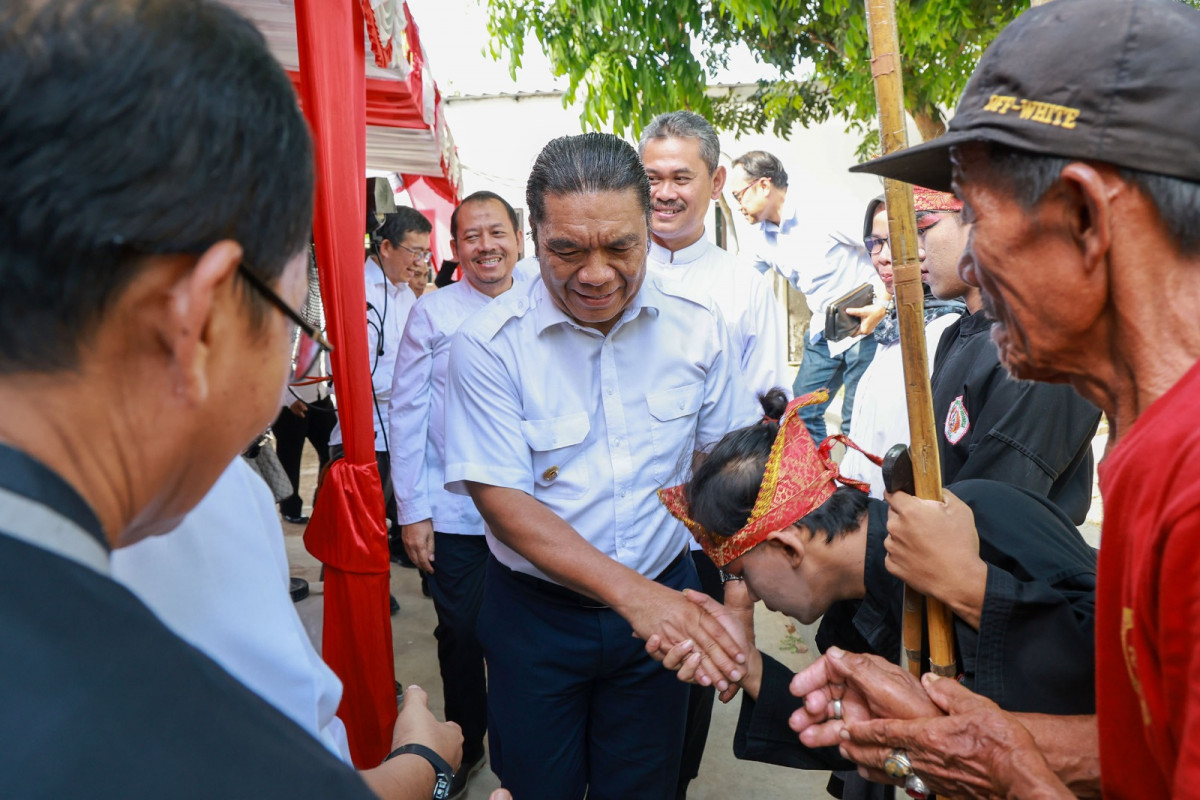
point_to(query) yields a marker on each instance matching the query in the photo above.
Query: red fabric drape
(347, 531)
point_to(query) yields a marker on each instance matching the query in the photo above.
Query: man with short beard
(571, 400)
(680, 151)
(443, 532)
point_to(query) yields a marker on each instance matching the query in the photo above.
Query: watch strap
(445, 774)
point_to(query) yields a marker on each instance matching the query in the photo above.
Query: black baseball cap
(1099, 80)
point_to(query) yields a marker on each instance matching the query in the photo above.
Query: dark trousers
(700, 698)
(575, 705)
(457, 588)
(290, 432)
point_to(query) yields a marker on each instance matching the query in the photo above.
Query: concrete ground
(721, 775)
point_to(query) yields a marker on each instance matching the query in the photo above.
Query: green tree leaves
(628, 60)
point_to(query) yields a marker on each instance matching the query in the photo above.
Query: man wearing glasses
(401, 250)
(162, 314)
(821, 264)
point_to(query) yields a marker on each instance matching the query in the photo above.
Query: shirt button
(623, 493)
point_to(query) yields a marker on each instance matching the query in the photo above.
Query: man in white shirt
(443, 532)
(680, 152)
(823, 265)
(401, 251)
(570, 401)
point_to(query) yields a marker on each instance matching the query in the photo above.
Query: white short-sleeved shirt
(822, 264)
(744, 297)
(388, 307)
(591, 425)
(417, 413)
(880, 408)
(220, 581)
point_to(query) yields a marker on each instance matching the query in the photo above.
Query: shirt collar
(693, 252)
(547, 313)
(44, 510)
(788, 218)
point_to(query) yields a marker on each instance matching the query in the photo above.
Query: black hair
(482, 197)
(761, 164)
(399, 223)
(1030, 175)
(585, 164)
(128, 129)
(722, 493)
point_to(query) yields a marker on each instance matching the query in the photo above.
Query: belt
(570, 596)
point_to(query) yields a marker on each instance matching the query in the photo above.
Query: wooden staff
(906, 268)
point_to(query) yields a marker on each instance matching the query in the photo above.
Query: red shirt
(1148, 603)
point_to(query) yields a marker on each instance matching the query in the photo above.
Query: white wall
(499, 137)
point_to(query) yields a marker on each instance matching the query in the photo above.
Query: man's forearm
(1071, 746)
(551, 545)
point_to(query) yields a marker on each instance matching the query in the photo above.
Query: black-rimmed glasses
(422, 256)
(268, 294)
(874, 244)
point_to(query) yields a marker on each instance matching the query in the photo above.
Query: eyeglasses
(309, 330)
(422, 256)
(874, 244)
(737, 196)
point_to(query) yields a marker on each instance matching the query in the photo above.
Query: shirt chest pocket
(673, 416)
(556, 446)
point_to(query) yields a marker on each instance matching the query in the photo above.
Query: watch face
(441, 789)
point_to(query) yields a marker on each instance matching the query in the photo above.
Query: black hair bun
(774, 403)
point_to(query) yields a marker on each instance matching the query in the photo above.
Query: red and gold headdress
(798, 478)
(930, 200)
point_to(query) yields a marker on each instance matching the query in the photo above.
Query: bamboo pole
(906, 268)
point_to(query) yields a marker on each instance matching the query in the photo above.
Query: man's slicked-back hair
(128, 128)
(761, 164)
(585, 164)
(685, 125)
(399, 223)
(484, 196)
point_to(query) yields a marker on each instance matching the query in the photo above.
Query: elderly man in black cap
(1074, 151)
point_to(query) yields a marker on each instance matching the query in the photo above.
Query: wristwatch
(445, 775)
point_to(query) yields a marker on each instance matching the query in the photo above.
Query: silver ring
(836, 709)
(897, 765)
(915, 787)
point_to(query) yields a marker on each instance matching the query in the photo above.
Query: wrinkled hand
(299, 408)
(934, 547)
(685, 660)
(417, 725)
(869, 688)
(672, 619)
(869, 317)
(975, 750)
(418, 543)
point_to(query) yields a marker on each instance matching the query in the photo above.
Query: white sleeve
(408, 418)
(484, 442)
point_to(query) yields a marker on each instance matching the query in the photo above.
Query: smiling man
(680, 151)
(573, 398)
(443, 532)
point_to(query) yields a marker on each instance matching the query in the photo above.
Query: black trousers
(456, 584)
(290, 432)
(575, 705)
(700, 698)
